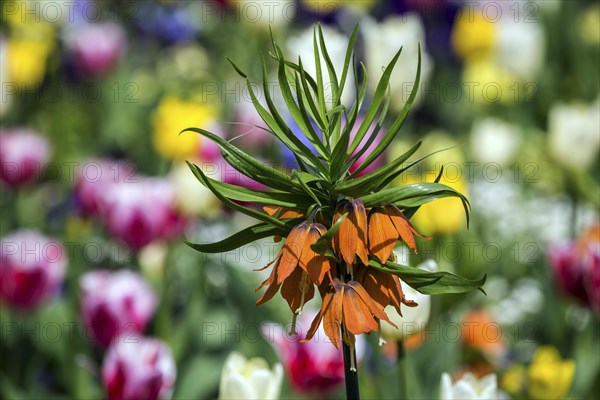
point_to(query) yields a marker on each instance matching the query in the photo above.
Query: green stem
(402, 375)
(352, 392)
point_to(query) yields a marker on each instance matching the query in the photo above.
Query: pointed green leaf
(366, 182)
(248, 165)
(238, 193)
(378, 96)
(393, 130)
(231, 204)
(414, 195)
(241, 238)
(429, 282)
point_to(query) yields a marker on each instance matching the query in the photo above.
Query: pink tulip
(32, 268)
(114, 304)
(96, 48)
(140, 212)
(576, 267)
(23, 155)
(138, 368)
(94, 177)
(314, 367)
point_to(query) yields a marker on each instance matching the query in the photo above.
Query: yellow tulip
(549, 375)
(27, 61)
(473, 36)
(171, 117)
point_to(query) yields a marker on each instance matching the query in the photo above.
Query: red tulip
(23, 155)
(576, 267)
(140, 212)
(314, 366)
(32, 267)
(138, 368)
(114, 304)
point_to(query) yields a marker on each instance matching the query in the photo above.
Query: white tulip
(249, 379)
(383, 40)
(494, 141)
(469, 388)
(520, 46)
(574, 134)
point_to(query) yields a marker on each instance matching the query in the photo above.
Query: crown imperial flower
(339, 218)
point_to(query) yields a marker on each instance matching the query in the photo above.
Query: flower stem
(351, 374)
(401, 365)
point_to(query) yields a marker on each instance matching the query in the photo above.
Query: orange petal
(315, 264)
(357, 315)
(317, 321)
(382, 234)
(332, 321)
(375, 308)
(347, 235)
(289, 213)
(271, 290)
(269, 264)
(403, 226)
(360, 219)
(291, 290)
(271, 210)
(291, 251)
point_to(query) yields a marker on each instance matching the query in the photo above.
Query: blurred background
(101, 298)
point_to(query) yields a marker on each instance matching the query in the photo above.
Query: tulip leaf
(242, 238)
(430, 282)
